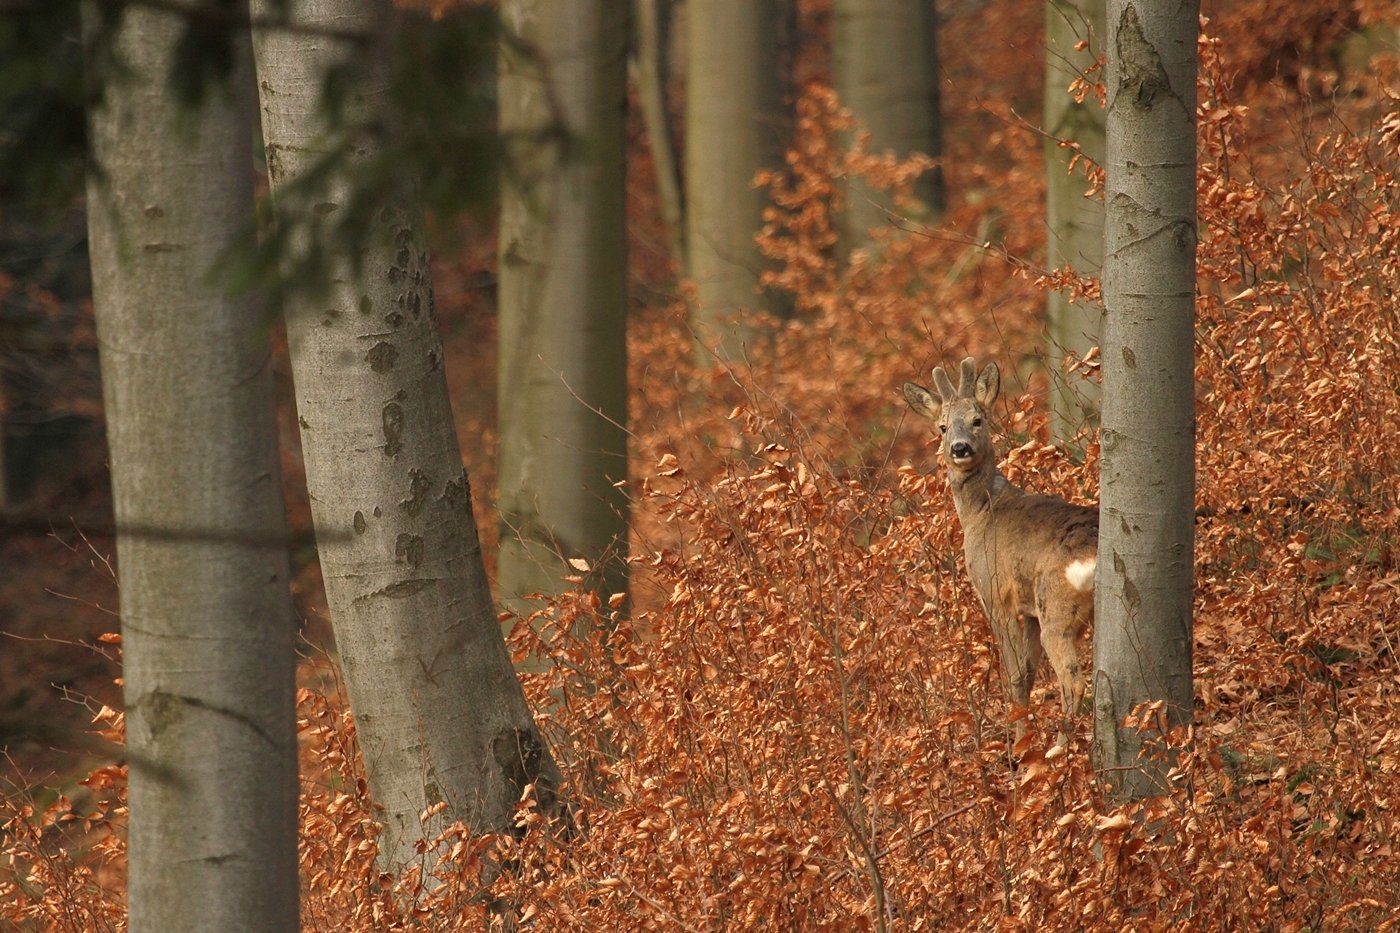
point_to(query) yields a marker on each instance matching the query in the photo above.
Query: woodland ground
(801, 724)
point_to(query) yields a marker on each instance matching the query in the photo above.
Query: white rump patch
(1080, 573)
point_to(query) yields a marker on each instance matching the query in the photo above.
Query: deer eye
(977, 422)
(942, 429)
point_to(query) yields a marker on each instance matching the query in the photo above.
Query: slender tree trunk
(562, 371)
(4, 422)
(207, 623)
(1074, 223)
(439, 713)
(1142, 638)
(886, 70)
(651, 69)
(735, 126)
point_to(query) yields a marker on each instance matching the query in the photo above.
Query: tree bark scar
(1131, 597)
(381, 356)
(458, 494)
(418, 486)
(400, 590)
(1140, 71)
(1185, 235)
(161, 709)
(1105, 709)
(391, 420)
(409, 548)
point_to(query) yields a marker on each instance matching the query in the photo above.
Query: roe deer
(1031, 558)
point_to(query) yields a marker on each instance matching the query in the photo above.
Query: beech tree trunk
(886, 70)
(562, 370)
(735, 125)
(207, 623)
(1074, 223)
(439, 713)
(1143, 597)
(651, 70)
(4, 421)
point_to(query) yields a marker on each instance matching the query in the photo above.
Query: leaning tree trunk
(439, 713)
(651, 70)
(885, 62)
(735, 126)
(1142, 638)
(562, 374)
(207, 622)
(1074, 223)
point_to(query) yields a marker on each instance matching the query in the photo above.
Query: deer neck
(976, 491)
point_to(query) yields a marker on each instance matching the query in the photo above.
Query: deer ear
(988, 385)
(922, 400)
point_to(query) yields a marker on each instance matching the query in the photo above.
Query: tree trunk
(1074, 223)
(886, 68)
(562, 371)
(439, 713)
(735, 127)
(4, 423)
(207, 622)
(1142, 639)
(651, 71)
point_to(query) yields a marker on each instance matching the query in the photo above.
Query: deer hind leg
(1059, 633)
(1020, 656)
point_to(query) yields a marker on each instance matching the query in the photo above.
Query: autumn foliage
(800, 724)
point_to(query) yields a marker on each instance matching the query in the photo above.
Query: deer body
(1031, 558)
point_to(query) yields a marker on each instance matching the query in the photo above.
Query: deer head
(963, 415)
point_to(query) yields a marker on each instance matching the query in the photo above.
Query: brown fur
(1018, 546)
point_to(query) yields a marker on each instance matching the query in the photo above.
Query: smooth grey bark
(439, 713)
(562, 370)
(1074, 223)
(206, 617)
(735, 126)
(1142, 638)
(651, 69)
(885, 63)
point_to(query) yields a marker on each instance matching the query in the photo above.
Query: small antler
(944, 385)
(967, 378)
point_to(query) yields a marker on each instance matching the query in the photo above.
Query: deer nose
(962, 450)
